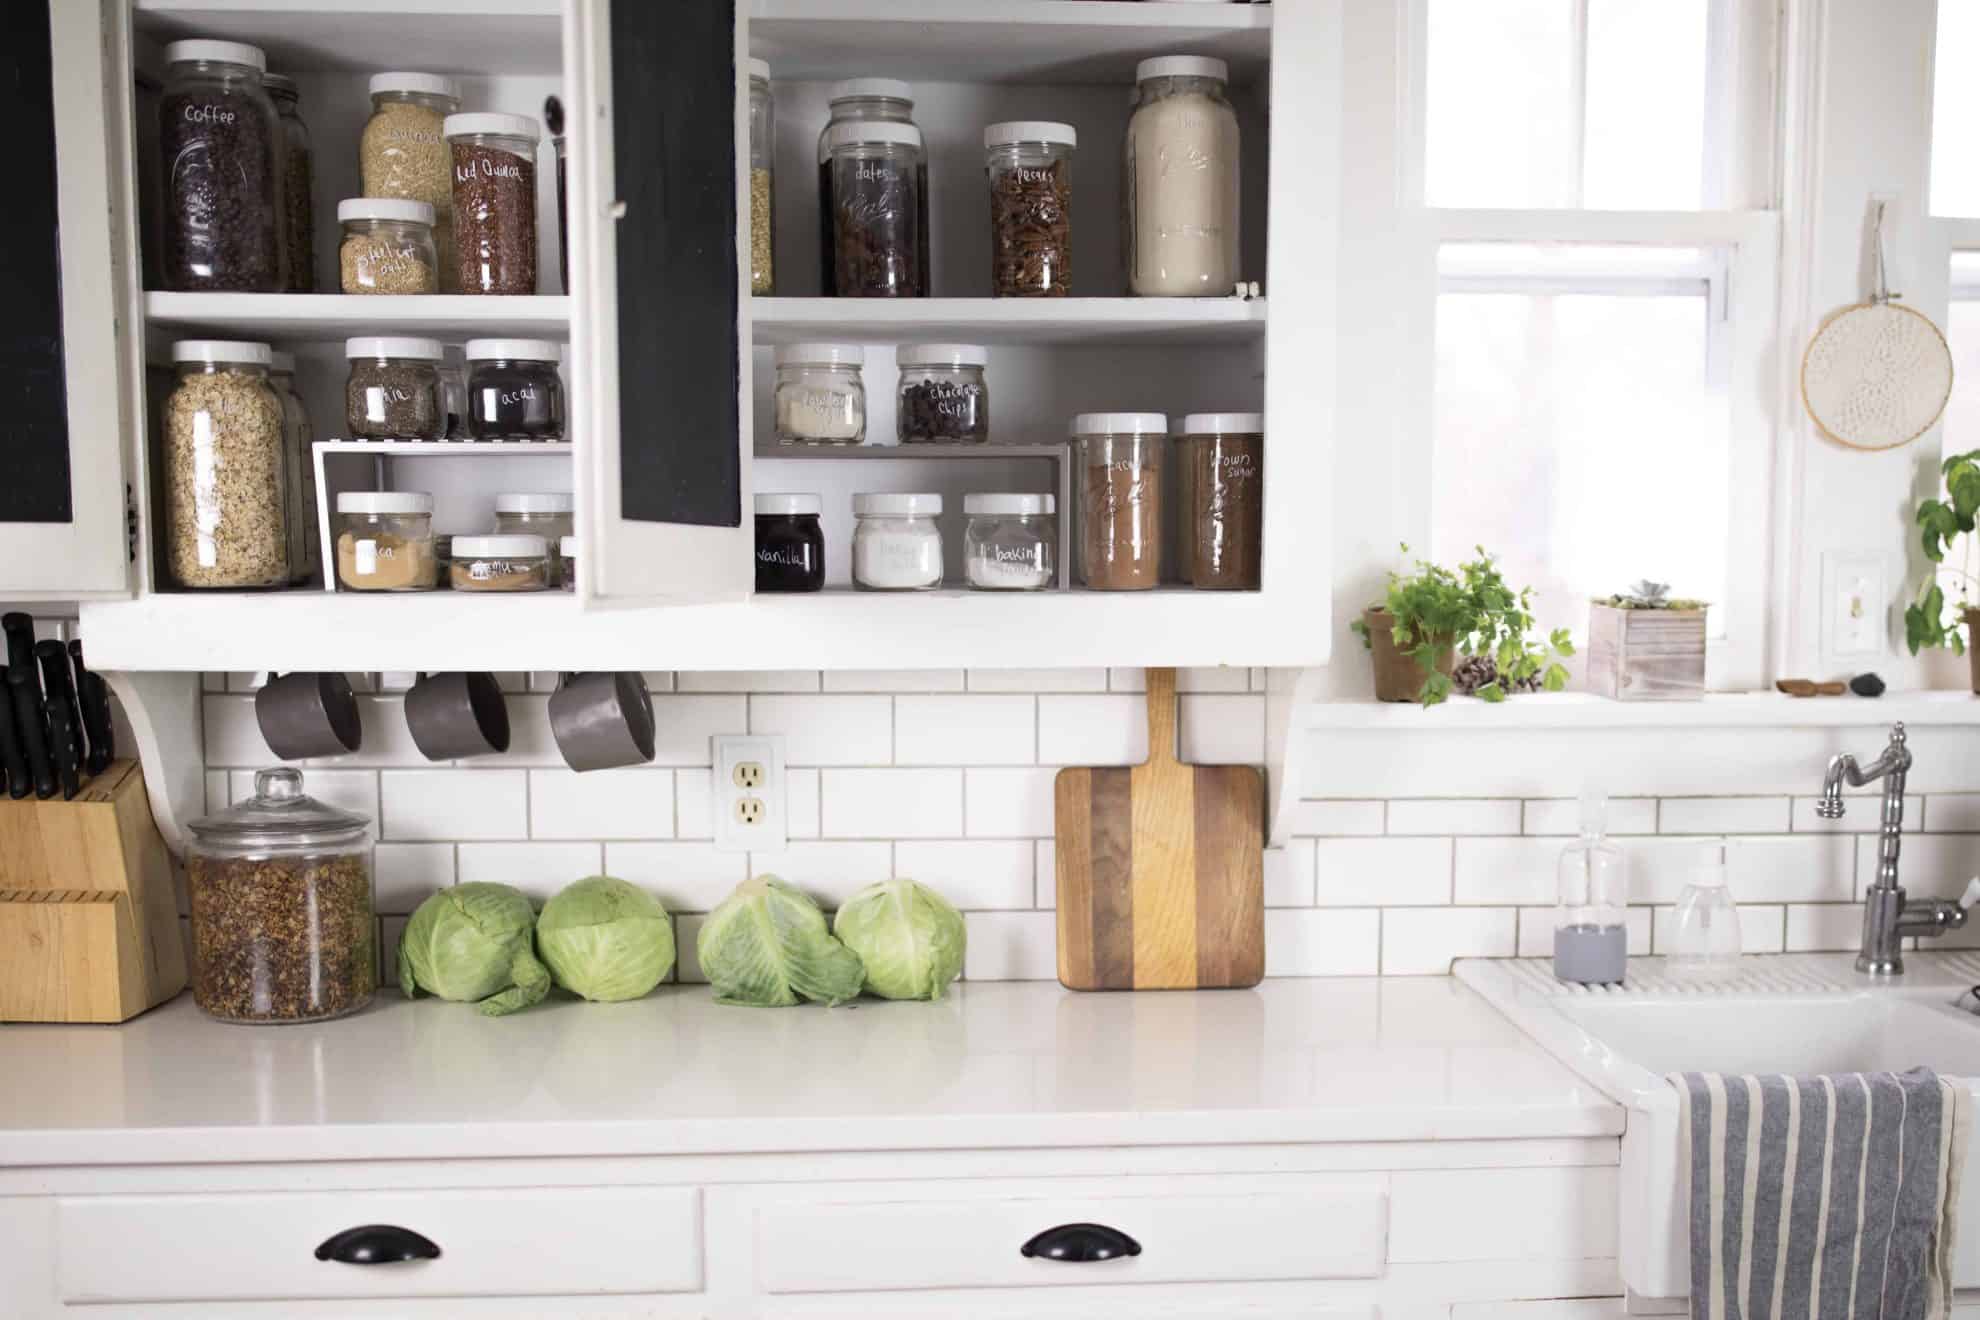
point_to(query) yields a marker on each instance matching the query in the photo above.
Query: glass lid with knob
(280, 814)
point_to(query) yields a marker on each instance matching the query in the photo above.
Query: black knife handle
(93, 697)
(13, 758)
(29, 726)
(65, 726)
(19, 628)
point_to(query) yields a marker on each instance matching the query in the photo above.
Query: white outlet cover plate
(770, 834)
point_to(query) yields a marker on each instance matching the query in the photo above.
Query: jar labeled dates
(790, 546)
(514, 391)
(1029, 164)
(225, 450)
(494, 162)
(942, 396)
(876, 171)
(220, 140)
(866, 100)
(393, 391)
(1223, 470)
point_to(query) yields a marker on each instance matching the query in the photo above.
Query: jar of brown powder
(1120, 499)
(1223, 471)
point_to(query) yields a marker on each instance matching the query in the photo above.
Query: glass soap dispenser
(1705, 939)
(1591, 915)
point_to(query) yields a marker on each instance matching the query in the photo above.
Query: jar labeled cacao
(494, 160)
(514, 390)
(1029, 164)
(1223, 474)
(1120, 499)
(393, 391)
(790, 546)
(221, 143)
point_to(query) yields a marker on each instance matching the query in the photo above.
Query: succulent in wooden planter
(1431, 617)
(1646, 645)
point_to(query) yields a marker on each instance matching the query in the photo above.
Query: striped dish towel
(1824, 1198)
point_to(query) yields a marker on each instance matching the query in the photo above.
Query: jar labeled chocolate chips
(790, 546)
(225, 451)
(1222, 456)
(393, 391)
(1029, 164)
(298, 185)
(494, 160)
(514, 391)
(942, 396)
(877, 179)
(1120, 499)
(403, 153)
(387, 246)
(220, 141)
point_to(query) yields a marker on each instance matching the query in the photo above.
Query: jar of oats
(404, 154)
(387, 246)
(226, 489)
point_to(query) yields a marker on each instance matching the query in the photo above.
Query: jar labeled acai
(393, 390)
(1011, 542)
(790, 546)
(942, 397)
(514, 391)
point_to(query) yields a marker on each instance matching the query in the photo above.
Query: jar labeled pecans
(1120, 499)
(1029, 164)
(1011, 542)
(1222, 456)
(790, 546)
(403, 153)
(897, 545)
(877, 177)
(221, 144)
(512, 562)
(494, 159)
(385, 540)
(942, 397)
(820, 399)
(514, 391)
(387, 246)
(226, 468)
(393, 390)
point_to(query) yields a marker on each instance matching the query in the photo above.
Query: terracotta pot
(1397, 675)
(1972, 618)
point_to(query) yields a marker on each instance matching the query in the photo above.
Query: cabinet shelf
(1018, 321)
(474, 37)
(325, 317)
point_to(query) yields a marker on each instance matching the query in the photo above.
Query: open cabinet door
(660, 403)
(63, 482)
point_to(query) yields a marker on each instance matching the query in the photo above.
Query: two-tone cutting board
(1161, 868)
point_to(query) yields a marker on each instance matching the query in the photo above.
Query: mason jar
(550, 514)
(1029, 165)
(820, 398)
(393, 389)
(942, 395)
(223, 417)
(762, 156)
(514, 390)
(1222, 461)
(1120, 499)
(878, 178)
(897, 544)
(298, 185)
(305, 549)
(387, 246)
(280, 890)
(494, 161)
(403, 153)
(1181, 225)
(385, 541)
(865, 100)
(221, 142)
(1011, 542)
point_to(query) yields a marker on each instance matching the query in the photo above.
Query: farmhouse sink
(1788, 1013)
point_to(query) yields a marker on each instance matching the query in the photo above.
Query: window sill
(1581, 710)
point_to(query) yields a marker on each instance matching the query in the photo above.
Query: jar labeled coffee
(404, 154)
(385, 541)
(1120, 499)
(1223, 460)
(876, 210)
(1179, 181)
(298, 185)
(1029, 165)
(387, 246)
(514, 389)
(494, 160)
(225, 452)
(1011, 542)
(283, 926)
(299, 461)
(859, 101)
(942, 396)
(220, 141)
(897, 544)
(393, 390)
(820, 398)
(790, 546)
(762, 155)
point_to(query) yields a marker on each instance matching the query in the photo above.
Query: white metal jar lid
(879, 505)
(489, 123)
(422, 84)
(789, 505)
(760, 69)
(863, 132)
(821, 355)
(1182, 66)
(513, 350)
(567, 546)
(385, 208)
(512, 545)
(384, 501)
(216, 52)
(1030, 130)
(221, 350)
(942, 355)
(1224, 424)
(1009, 504)
(1121, 423)
(857, 89)
(553, 501)
(375, 346)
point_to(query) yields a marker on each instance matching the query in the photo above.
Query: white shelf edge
(1040, 13)
(1008, 320)
(453, 9)
(1584, 711)
(329, 316)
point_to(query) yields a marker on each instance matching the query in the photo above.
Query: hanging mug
(305, 715)
(453, 716)
(602, 720)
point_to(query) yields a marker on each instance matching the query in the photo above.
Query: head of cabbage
(472, 942)
(909, 938)
(768, 945)
(605, 939)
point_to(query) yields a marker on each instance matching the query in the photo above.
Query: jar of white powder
(896, 543)
(1010, 543)
(1180, 180)
(820, 399)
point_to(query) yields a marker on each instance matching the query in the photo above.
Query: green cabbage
(605, 939)
(768, 945)
(908, 936)
(472, 943)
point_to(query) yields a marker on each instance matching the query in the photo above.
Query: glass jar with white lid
(305, 547)
(551, 515)
(862, 100)
(1011, 541)
(943, 398)
(1181, 225)
(386, 246)
(403, 153)
(897, 544)
(385, 541)
(820, 397)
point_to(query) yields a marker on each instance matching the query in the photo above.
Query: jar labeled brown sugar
(1120, 499)
(1223, 482)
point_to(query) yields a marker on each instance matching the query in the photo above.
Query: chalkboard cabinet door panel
(657, 120)
(63, 408)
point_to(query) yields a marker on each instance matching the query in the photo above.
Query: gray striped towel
(1829, 1198)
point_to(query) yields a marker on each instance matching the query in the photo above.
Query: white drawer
(493, 1242)
(860, 1244)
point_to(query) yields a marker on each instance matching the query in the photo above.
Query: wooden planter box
(1646, 655)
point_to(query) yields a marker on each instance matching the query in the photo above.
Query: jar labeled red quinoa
(494, 159)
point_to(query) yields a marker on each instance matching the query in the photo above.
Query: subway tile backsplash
(946, 776)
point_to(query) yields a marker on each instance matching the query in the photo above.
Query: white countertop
(1021, 1064)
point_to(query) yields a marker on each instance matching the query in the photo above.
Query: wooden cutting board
(1161, 868)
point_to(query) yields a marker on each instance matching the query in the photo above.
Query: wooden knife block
(89, 929)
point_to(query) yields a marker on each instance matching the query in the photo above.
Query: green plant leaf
(1491, 692)
(1436, 689)
(1556, 678)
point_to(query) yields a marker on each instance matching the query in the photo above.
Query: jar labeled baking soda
(1120, 499)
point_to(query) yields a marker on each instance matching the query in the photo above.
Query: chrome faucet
(1887, 917)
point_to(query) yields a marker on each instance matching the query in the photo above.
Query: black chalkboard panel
(34, 396)
(674, 153)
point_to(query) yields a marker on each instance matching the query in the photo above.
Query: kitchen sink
(1787, 1013)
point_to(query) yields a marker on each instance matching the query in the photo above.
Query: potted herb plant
(1646, 645)
(1430, 617)
(1931, 619)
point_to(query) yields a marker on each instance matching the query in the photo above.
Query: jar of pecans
(494, 158)
(509, 562)
(514, 391)
(393, 391)
(1029, 164)
(942, 396)
(387, 246)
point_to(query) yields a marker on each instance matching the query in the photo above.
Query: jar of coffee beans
(221, 145)
(942, 397)
(282, 919)
(494, 161)
(1029, 164)
(393, 390)
(514, 391)
(404, 154)
(877, 174)
(226, 469)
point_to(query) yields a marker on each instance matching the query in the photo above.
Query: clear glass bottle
(865, 100)
(1029, 164)
(1120, 499)
(1591, 912)
(224, 417)
(386, 246)
(762, 158)
(897, 544)
(1705, 937)
(878, 177)
(298, 185)
(1180, 226)
(943, 398)
(820, 398)
(1011, 542)
(494, 162)
(221, 143)
(403, 153)
(305, 545)
(283, 928)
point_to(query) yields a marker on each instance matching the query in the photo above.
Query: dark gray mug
(304, 715)
(452, 716)
(602, 720)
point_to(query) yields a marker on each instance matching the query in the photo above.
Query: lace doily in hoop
(1876, 375)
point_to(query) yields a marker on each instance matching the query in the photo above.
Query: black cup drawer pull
(1077, 1244)
(379, 1244)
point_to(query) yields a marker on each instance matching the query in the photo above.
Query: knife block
(89, 929)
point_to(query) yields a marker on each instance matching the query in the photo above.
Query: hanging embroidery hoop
(1877, 374)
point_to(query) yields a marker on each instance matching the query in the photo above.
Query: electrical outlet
(749, 794)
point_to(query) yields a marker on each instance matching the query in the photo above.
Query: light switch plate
(1856, 605)
(748, 796)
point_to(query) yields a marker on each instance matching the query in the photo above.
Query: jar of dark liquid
(514, 391)
(790, 545)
